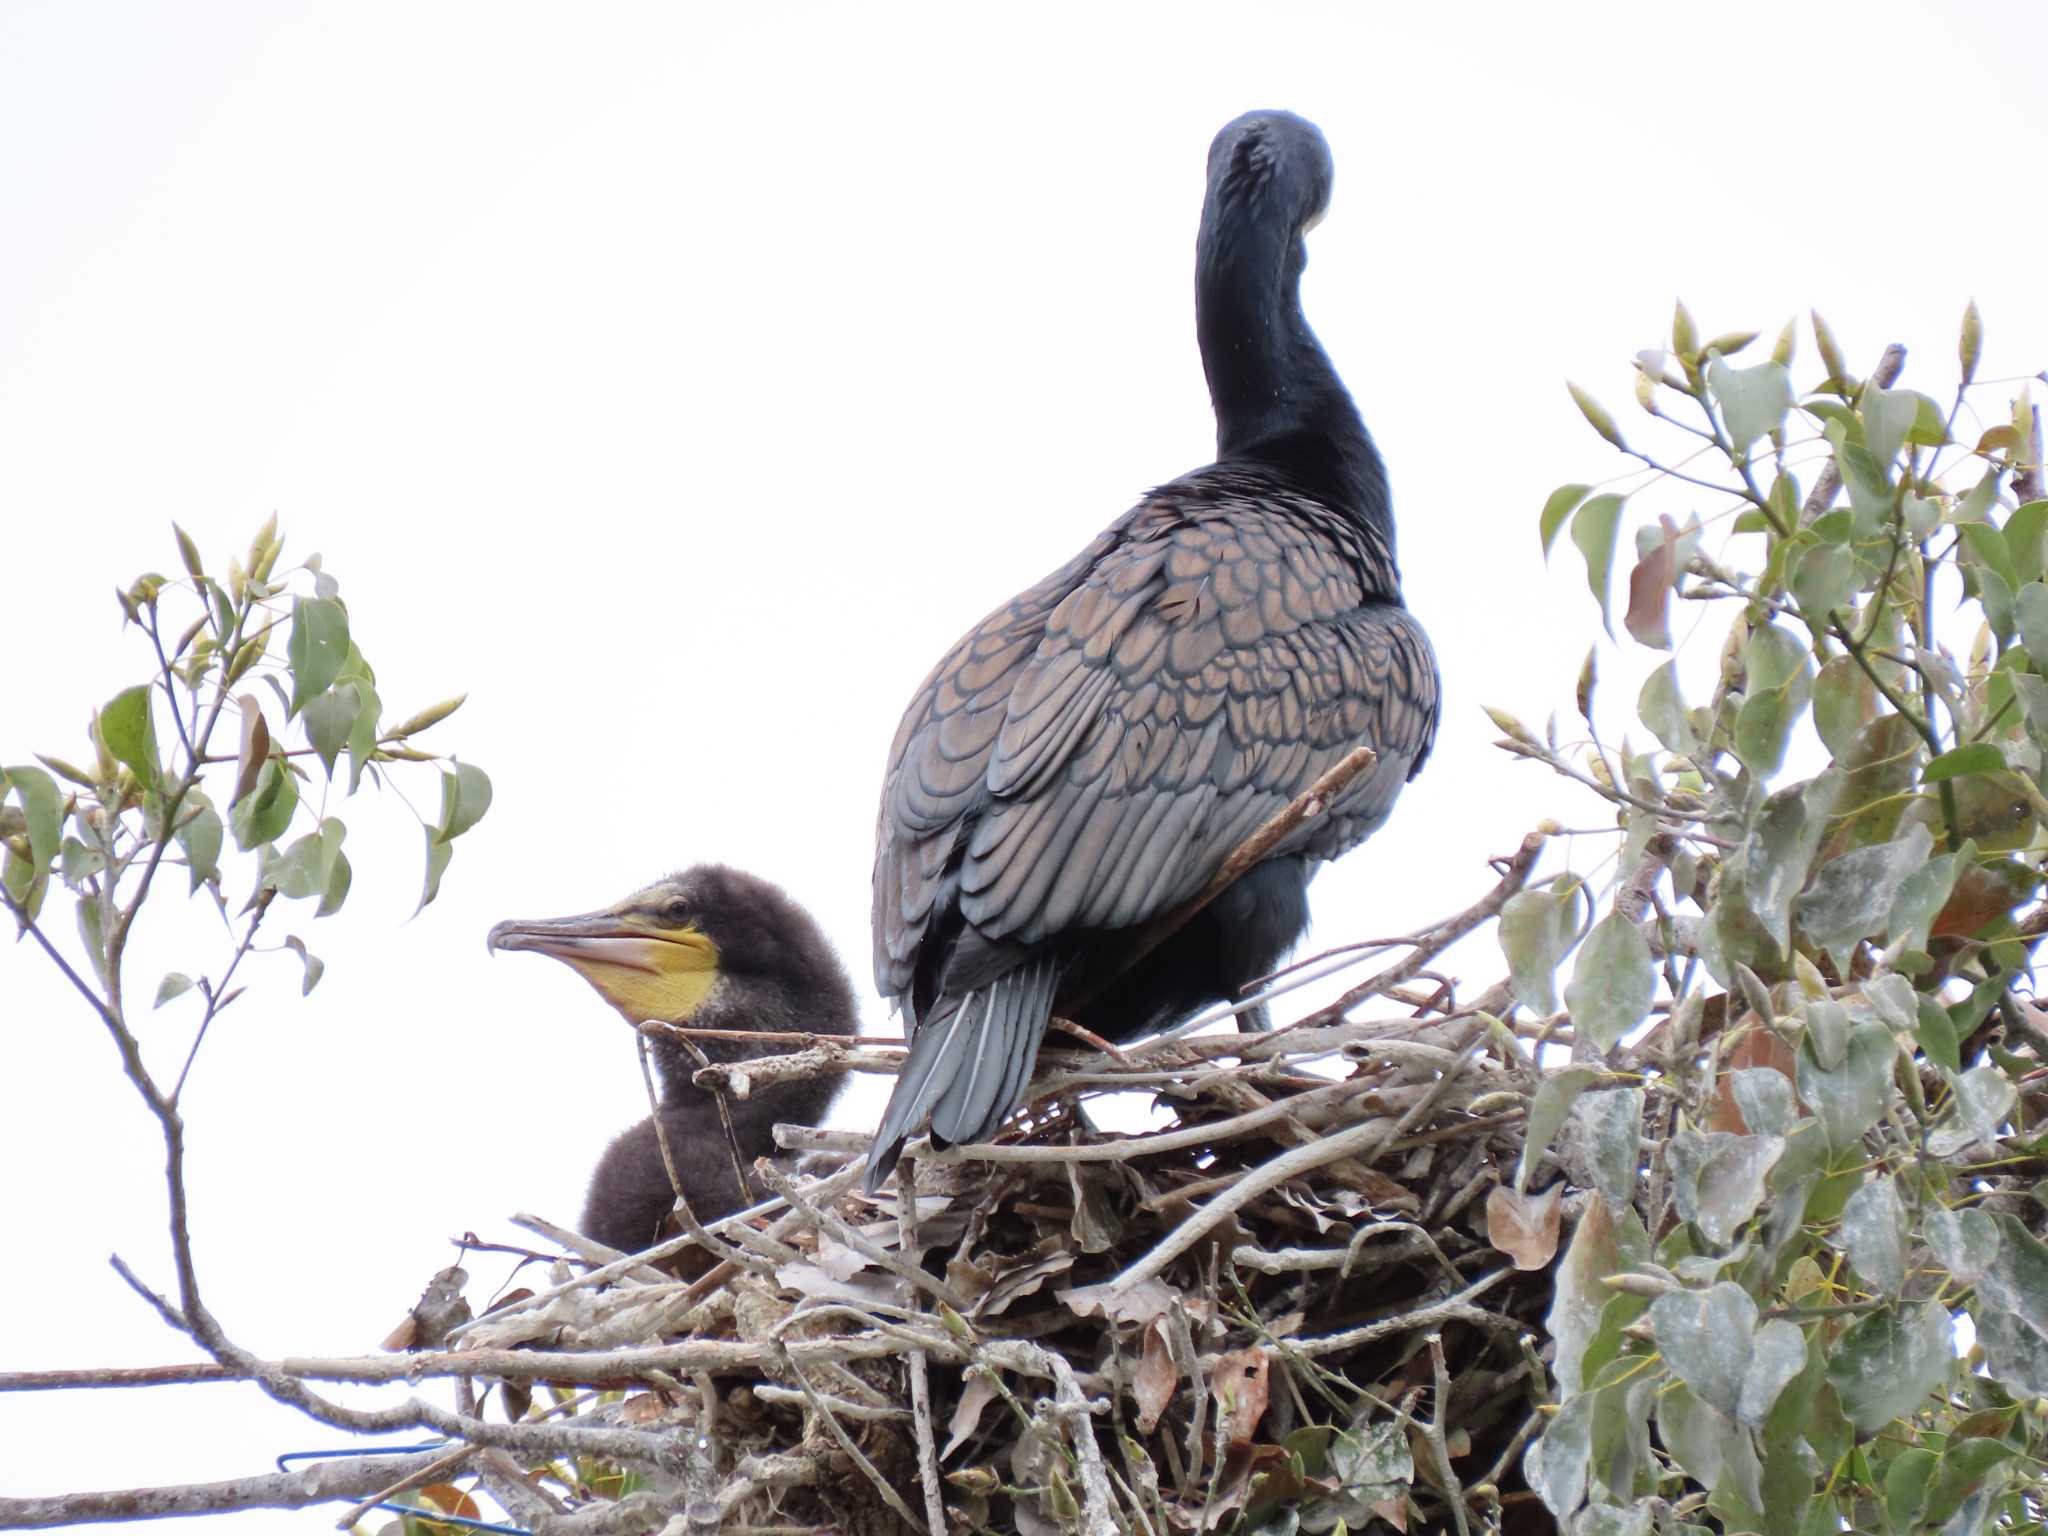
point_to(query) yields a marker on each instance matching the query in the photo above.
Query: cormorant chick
(716, 948)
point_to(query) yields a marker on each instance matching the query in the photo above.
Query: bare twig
(838, 1432)
(1433, 1432)
(321, 1483)
(874, 1253)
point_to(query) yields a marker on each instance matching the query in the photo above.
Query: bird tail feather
(970, 1058)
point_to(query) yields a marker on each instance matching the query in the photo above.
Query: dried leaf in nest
(441, 1310)
(1524, 1227)
(1242, 1467)
(1139, 1303)
(1239, 1382)
(1156, 1379)
(977, 1394)
(814, 1282)
(1095, 1226)
(991, 1282)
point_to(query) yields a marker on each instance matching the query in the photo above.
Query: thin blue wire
(462, 1520)
(416, 1511)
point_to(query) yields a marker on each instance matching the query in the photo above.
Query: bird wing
(1090, 753)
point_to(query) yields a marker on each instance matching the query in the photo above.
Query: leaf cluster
(261, 654)
(1801, 973)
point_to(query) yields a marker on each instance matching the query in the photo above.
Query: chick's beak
(643, 970)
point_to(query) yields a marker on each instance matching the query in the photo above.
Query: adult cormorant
(720, 949)
(1086, 757)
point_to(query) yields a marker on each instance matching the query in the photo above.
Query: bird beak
(643, 970)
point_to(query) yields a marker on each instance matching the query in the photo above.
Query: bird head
(711, 946)
(650, 956)
(1270, 165)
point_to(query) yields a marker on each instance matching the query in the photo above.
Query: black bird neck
(1277, 399)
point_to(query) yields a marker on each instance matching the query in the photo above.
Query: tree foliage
(257, 653)
(1821, 1300)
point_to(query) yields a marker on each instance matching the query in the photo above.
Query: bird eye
(675, 912)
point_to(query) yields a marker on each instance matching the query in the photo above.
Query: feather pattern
(1085, 758)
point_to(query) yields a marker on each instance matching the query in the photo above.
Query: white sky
(681, 380)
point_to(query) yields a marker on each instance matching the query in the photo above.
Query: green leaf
(262, 815)
(1827, 1033)
(1581, 1294)
(25, 885)
(1611, 1125)
(2015, 1353)
(1753, 401)
(1537, 930)
(1662, 709)
(2030, 607)
(1905, 1487)
(92, 934)
(329, 719)
(200, 837)
(1983, 1097)
(2025, 532)
(1935, 1033)
(1848, 1098)
(1873, 1234)
(315, 966)
(1851, 896)
(1924, 894)
(1870, 492)
(1887, 418)
(1893, 999)
(1776, 1356)
(128, 727)
(1612, 984)
(1997, 595)
(305, 868)
(78, 863)
(1778, 852)
(1764, 1095)
(1547, 1111)
(1825, 579)
(1705, 1339)
(1967, 1467)
(1693, 1433)
(465, 796)
(1774, 656)
(42, 804)
(1763, 726)
(1844, 701)
(438, 854)
(1965, 1241)
(1593, 530)
(1977, 757)
(1556, 1464)
(1718, 1178)
(338, 881)
(174, 984)
(1985, 548)
(1884, 1367)
(362, 736)
(1562, 503)
(1621, 1448)
(318, 646)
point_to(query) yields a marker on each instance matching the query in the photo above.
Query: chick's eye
(675, 912)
